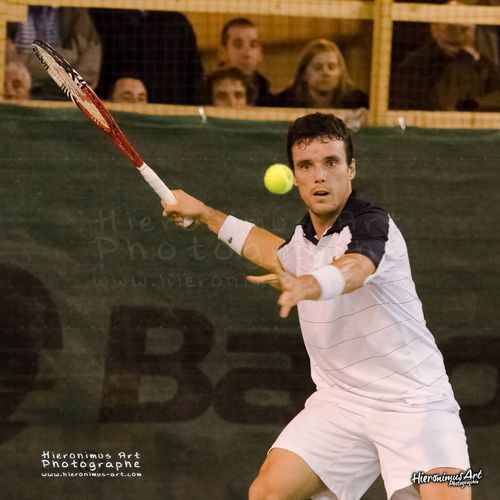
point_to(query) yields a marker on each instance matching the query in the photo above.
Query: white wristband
(331, 280)
(234, 232)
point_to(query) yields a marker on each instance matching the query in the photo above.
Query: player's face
(323, 73)
(229, 93)
(322, 176)
(129, 90)
(16, 85)
(243, 49)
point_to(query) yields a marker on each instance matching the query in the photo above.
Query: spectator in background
(321, 80)
(158, 47)
(68, 30)
(447, 73)
(229, 87)
(240, 47)
(17, 84)
(488, 37)
(11, 53)
(128, 89)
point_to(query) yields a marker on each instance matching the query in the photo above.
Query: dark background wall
(121, 333)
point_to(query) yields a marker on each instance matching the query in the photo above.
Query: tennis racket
(77, 89)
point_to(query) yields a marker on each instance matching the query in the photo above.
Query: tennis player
(383, 404)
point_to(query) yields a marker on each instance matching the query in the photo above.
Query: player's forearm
(355, 268)
(344, 275)
(213, 219)
(254, 243)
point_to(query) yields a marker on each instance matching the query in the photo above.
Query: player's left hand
(293, 289)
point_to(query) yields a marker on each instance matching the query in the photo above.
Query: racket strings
(74, 86)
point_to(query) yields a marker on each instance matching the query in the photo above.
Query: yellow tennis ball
(278, 178)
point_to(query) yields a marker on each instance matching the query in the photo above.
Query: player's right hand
(186, 206)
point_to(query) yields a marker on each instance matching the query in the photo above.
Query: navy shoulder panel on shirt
(369, 227)
(370, 232)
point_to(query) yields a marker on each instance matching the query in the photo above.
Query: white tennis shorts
(349, 444)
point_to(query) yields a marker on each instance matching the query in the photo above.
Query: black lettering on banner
(480, 350)
(28, 323)
(128, 362)
(230, 400)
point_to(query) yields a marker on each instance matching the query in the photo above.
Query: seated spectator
(447, 73)
(240, 48)
(129, 90)
(321, 80)
(11, 53)
(17, 85)
(159, 47)
(488, 36)
(68, 30)
(229, 87)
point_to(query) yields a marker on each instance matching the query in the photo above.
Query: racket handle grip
(160, 188)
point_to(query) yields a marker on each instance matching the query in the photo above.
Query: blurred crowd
(134, 56)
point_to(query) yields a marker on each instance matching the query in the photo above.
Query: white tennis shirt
(372, 342)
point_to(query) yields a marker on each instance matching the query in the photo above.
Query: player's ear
(294, 179)
(351, 170)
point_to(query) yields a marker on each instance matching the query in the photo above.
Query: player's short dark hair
(319, 126)
(237, 21)
(231, 73)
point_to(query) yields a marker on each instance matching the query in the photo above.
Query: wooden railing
(383, 13)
